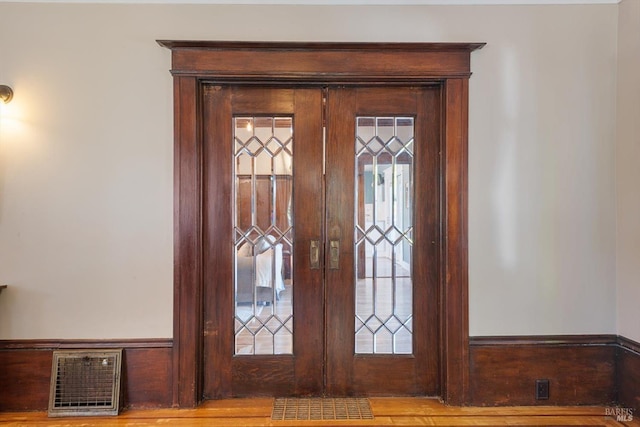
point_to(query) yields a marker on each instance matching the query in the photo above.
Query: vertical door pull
(334, 254)
(314, 254)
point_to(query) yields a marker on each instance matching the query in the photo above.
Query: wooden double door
(321, 236)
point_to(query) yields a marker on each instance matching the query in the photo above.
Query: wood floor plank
(428, 406)
(387, 411)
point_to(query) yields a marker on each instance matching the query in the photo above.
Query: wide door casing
(196, 64)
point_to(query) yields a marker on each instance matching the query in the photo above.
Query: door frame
(199, 63)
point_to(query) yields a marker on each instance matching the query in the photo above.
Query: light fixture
(6, 93)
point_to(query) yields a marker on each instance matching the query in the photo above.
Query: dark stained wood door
(364, 320)
(259, 340)
(388, 232)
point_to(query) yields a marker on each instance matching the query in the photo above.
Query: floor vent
(85, 382)
(286, 409)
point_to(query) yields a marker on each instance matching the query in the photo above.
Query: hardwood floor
(387, 411)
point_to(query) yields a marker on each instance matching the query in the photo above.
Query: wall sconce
(6, 93)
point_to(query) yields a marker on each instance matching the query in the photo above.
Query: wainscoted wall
(582, 370)
(25, 372)
(628, 374)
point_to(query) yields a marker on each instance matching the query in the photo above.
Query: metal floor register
(349, 408)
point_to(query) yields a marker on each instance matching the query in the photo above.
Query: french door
(321, 236)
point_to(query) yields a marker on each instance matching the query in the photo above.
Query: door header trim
(421, 46)
(320, 61)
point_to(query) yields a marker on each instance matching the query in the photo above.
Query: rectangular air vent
(85, 382)
(321, 409)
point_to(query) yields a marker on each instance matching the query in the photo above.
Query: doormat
(349, 408)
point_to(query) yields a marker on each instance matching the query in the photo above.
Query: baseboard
(26, 371)
(628, 374)
(581, 369)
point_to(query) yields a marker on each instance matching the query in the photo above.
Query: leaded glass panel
(263, 235)
(384, 235)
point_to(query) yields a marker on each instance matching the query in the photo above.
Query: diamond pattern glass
(263, 230)
(384, 235)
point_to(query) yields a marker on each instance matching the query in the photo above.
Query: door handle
(334, 254)
(314, 254)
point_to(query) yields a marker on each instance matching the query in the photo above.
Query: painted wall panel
(86, 163)
(628, 172)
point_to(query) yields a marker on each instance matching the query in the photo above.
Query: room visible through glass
(263, 235)
(384, 149)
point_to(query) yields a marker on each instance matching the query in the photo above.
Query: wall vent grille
(85, 382)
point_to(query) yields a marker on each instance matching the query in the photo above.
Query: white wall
(628, 171)
(86, 158)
